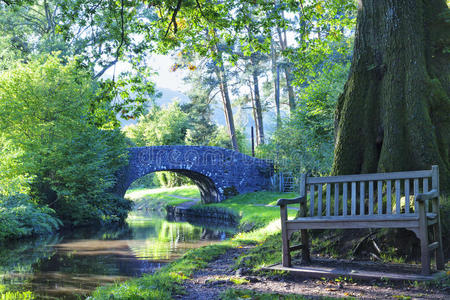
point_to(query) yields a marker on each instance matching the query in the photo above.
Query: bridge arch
(218, 172)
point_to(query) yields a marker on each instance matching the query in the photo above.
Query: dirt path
(219, 276)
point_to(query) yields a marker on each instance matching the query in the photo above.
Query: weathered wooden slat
(322, 223)
(416, 192)
(286, 256)
(375, 217)
(362, 195)
(435, 178)
(370, 177)
(425, 190)
(380, 196)
(319, 200)
(425, 185)
(344, 198)
(370, 198)
(439, 254)
(388, 197)
(397, 197)
(407, 196)
(311, 200)
(353, 198)
(336, 199)
(328, 200)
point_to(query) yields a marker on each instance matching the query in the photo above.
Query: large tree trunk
(394, 113)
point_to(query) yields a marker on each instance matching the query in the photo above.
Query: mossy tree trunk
(394, 113)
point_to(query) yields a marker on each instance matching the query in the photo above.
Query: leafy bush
(69, 163)
(221, 138)
(20, 217)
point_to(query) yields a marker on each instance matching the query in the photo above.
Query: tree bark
(276, 83)
(394, 113)
(223, 85)
(257, 103)
(287, 71)
(254, 113)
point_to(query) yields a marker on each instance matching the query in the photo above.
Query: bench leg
(286, 255)
(439, 254)
(423, 236)
(286, 258)
(305, 246)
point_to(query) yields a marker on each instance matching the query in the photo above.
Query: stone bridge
(219, 173)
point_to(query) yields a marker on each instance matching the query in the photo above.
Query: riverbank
(232, 269)
(158, 199)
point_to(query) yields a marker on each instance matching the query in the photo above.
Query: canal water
(69, 265)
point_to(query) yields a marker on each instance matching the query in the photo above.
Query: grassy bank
(166, 282)
(161, 197)
(255, 210)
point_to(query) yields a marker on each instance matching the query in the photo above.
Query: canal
(70, 264)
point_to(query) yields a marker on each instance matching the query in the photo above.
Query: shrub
(68, 162)
(20, 217)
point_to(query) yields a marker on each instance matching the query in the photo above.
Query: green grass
(251, 210)
(161, 197)
(16, 296)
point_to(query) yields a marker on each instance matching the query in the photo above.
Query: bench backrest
(368, 194)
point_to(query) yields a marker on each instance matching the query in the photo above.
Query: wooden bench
(380, 200)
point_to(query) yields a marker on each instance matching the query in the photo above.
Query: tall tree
(394, 113)
(282, 37)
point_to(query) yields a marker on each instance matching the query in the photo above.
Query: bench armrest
(283, 201)
(427, 196)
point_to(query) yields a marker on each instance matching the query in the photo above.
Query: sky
(164, 79)
(173, 87)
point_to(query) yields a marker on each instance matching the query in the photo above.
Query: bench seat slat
(360, 218)
(369, 177)
(362, 196)
(344, 198)
(397, 197)
(388, 197)
(407, 210)
(380, 196)
(371, 198)
(353, 198)
(328, 200)
(416, 192)
(319, 200)
(411, 221)
(336, 199)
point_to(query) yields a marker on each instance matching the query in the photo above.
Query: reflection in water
(68, 264)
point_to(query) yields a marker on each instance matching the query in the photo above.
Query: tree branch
(105, 68)
(174, 19)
